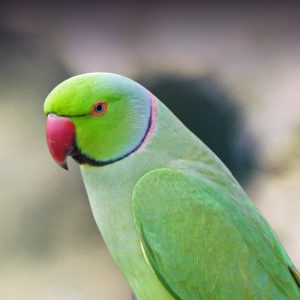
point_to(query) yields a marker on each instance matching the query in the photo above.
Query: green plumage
(175, 220)
(218, 236)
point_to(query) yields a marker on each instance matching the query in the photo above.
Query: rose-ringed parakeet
(177, 223)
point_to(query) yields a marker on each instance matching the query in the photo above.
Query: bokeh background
(230, 72)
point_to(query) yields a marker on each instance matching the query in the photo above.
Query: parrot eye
(99, 108)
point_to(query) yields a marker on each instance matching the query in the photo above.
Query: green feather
(295, 274)
(175, 220)
(204, 244)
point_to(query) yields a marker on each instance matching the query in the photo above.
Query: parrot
(175, 220)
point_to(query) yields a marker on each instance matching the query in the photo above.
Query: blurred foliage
(209, 111)
(29, 67)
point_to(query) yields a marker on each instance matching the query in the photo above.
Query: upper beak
(60, 135)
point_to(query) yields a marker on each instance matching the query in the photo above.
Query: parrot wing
(295, 274)
(204, 243)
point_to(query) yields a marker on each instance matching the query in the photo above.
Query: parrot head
(97, 118)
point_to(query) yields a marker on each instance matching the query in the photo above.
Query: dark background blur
(229, 72)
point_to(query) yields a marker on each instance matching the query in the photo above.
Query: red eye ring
(99, 108)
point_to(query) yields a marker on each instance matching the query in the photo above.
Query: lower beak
(60, 135)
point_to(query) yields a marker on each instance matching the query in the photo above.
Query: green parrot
(175, 220)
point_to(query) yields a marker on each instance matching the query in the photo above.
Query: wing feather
(202, 243)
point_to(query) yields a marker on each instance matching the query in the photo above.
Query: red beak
(60, 135)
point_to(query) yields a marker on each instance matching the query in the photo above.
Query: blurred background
(230, 73)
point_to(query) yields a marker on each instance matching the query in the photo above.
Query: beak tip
(64, 165)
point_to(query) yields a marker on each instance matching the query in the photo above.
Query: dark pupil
(99, 108)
